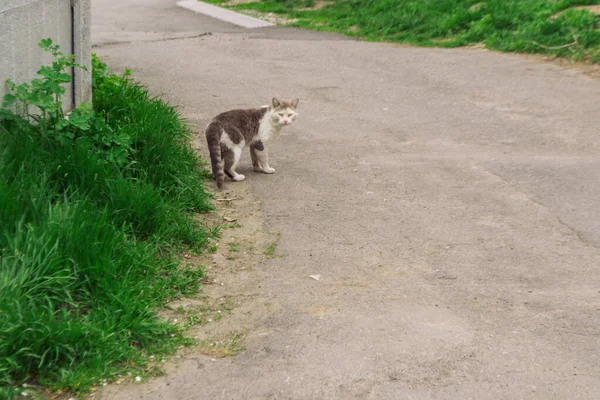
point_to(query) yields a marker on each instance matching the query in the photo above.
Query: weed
(196, 317)
(204, 313)
(271, 248)
(229, 345)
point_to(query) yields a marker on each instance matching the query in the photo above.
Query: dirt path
(447, 199)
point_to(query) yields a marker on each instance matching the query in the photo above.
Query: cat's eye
(281, 114)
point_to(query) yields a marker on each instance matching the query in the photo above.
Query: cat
(229, 132)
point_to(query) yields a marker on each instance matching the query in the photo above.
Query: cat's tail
(214, 147)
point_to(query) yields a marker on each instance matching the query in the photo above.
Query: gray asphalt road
(447, 198)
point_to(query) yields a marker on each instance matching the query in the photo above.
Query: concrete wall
(23, 23)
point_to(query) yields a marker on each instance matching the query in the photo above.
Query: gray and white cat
(229, 132)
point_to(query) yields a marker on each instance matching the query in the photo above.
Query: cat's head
(284, 113)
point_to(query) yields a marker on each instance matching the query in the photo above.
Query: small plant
(271, 248)
(44, 93)
(41, 102)
(196, 317)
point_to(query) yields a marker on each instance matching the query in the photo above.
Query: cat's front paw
(269, 170)
(239, 178)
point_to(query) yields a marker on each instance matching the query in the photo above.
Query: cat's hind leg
(231, 157)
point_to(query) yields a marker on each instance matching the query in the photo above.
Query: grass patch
(94, 209)
(524, 26)
(227, 346)
(272, 248)
(205, 313)
(232, 225)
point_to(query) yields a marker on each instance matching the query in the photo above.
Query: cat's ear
(276, 103)
(295, 103)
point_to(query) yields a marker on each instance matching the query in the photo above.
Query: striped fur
(213, 137)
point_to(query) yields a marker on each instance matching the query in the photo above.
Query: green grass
(205, 313)
(522, 26)
(230, 345)
(272, 248)
(91, 222)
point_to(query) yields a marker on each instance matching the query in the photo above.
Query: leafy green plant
(44, 93)
(41, 102)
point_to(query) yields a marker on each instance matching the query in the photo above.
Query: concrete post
(82, 41)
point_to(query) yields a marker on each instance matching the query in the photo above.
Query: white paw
(269, 170)
(239, 177)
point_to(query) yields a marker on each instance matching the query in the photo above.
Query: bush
(92, 209)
